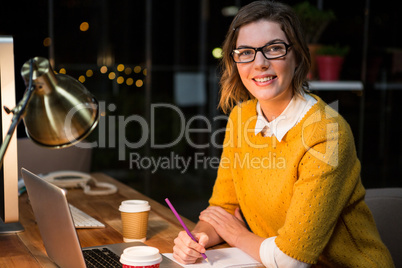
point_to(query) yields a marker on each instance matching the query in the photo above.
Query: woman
(289, 167)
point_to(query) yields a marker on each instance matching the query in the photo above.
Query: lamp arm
(18, 113)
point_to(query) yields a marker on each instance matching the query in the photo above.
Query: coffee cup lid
(134, 206)
(140, 256)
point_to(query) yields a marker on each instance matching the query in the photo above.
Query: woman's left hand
(228, 226)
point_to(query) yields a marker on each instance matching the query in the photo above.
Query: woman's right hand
(187, 251)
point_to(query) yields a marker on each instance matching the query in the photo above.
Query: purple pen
(184, 225)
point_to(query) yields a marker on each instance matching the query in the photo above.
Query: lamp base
(10, 228)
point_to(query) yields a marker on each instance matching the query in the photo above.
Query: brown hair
(232, 88)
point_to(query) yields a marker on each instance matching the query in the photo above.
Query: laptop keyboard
(83, 220)
(102, 257)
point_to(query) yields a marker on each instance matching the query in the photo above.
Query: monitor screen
(9, 171)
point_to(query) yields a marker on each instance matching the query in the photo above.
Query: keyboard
(103, 257)
(83, 220)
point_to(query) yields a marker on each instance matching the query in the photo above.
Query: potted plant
(314, 22)
(330, 59)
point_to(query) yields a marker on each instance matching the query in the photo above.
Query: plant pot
(329, 67)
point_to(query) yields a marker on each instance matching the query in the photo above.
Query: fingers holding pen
(186, 250)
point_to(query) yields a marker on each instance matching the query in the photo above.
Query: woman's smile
(263, 80)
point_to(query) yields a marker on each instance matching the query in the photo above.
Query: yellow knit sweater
(306, 189)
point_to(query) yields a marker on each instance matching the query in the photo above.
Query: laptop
(58, 233)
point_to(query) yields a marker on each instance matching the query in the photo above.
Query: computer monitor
(9, 213)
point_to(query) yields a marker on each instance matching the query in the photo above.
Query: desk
(26, 249)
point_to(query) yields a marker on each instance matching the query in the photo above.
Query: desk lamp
(57, 110)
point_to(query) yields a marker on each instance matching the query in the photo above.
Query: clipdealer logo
(330, 153)
(112, 134)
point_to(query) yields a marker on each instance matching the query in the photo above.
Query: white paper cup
(141, 256)
(134, 218)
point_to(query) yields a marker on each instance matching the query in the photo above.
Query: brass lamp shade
(61, 111)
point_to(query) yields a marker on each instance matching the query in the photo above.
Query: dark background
(181, 35)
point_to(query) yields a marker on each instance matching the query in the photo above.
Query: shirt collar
(294, 112)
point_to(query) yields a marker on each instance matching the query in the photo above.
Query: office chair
(386, 206)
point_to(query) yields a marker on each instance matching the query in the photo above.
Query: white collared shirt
(272, 257)
(294, 112)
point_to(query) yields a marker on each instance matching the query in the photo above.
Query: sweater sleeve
(327, 176)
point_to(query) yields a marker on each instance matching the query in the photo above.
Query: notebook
(223, 258)
(58, 233)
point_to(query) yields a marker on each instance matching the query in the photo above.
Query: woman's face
(266, 80)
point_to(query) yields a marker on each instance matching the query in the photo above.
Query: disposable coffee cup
(134, 218)
(141, 257)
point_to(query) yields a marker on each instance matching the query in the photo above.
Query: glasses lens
(271, 51)
(243, 55)
(274, 50)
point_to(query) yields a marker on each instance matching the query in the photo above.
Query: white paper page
(222, 258)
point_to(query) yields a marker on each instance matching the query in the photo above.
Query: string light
(112, 75)
(139, 83)
(120, 80)
(129, 81)
(84, 26)
(137, 69)
(120, 67)
(103, 69)
(128, 70)
(47, 42)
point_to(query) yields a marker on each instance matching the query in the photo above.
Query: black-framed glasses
(270, 51)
